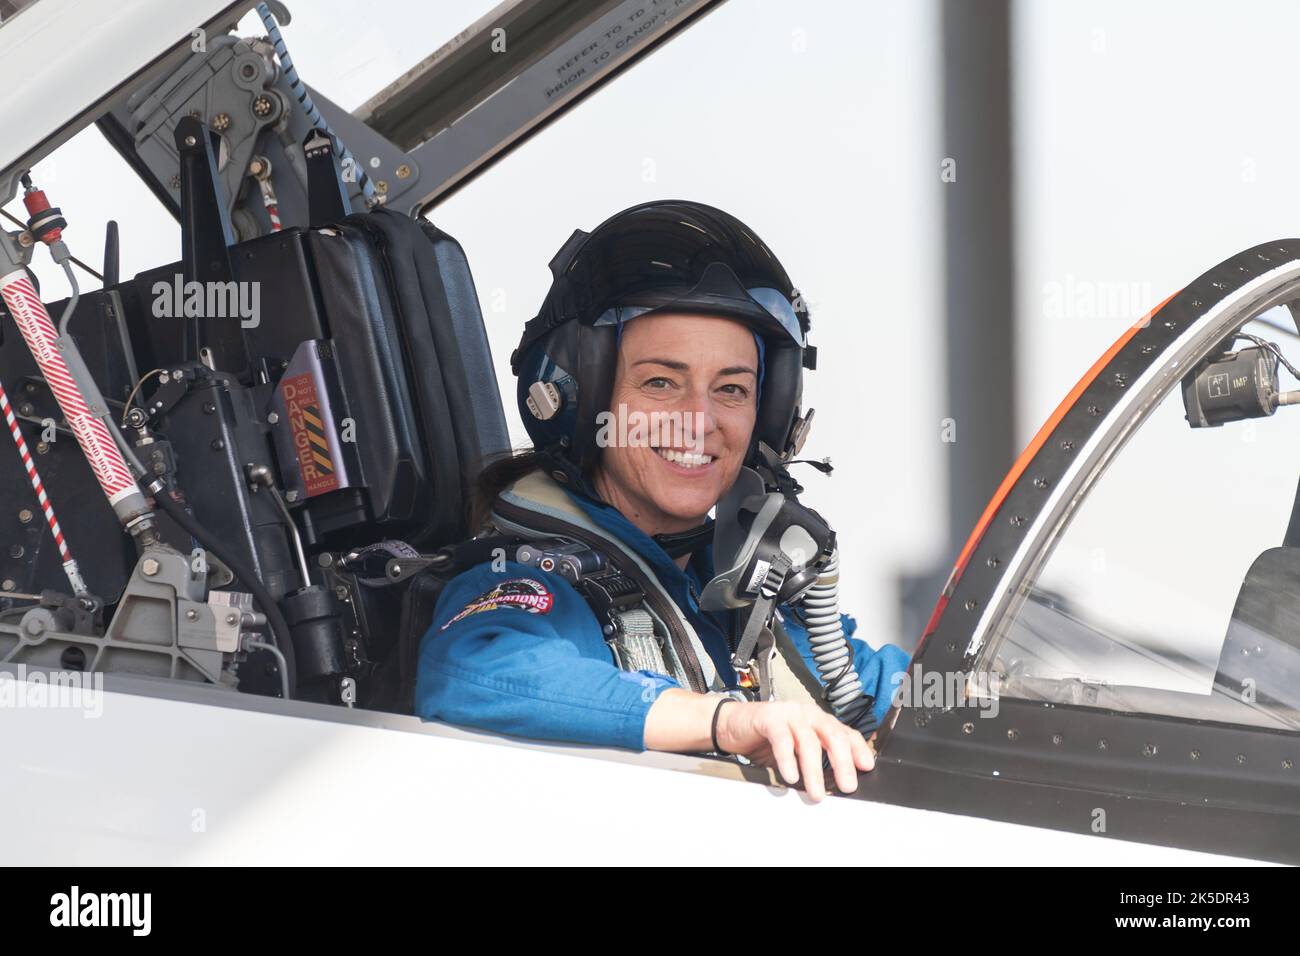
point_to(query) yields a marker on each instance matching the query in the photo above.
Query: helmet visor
(684, 257)
(765, 309)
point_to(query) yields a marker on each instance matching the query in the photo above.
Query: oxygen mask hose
(832, 652)
(762, 540)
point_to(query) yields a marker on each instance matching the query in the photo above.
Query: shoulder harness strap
(537, 506)
(618, 586)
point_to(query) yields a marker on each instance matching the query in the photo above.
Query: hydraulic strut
(205, 629)
(61, 365)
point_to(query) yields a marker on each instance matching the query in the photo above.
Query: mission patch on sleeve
(523, 594)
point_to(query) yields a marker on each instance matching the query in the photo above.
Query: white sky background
(827, 153)
(1153, 141)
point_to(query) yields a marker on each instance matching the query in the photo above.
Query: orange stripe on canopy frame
(1026, 456)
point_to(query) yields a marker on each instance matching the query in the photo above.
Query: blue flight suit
(519, 651)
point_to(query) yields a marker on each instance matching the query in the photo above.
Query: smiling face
(686, 387)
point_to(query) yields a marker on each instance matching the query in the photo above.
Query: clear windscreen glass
(1175, 587)
(762, 305)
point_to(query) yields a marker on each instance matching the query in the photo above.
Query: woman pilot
(669, 314)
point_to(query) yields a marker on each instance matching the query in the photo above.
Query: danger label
(311, 446)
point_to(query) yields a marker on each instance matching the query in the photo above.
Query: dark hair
(497, 475)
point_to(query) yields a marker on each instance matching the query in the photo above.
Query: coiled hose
(832, 652)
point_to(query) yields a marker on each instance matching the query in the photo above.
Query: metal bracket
(206, 237)
(327, 197)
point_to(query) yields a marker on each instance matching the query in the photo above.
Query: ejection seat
(378, 314)
(407, 359)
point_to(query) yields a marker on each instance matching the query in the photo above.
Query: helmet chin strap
(771, 467)
(686, 542)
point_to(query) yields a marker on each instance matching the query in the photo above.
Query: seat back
(1261, 651)
(380, 314)
(374, 318)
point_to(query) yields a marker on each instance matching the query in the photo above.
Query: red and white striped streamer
(69, 564)
(92, 434)
(269, 201)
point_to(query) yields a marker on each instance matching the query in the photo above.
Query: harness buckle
(755, 675)
(608, 594)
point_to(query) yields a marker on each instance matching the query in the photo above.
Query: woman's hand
(787, 736)
(792, 737)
